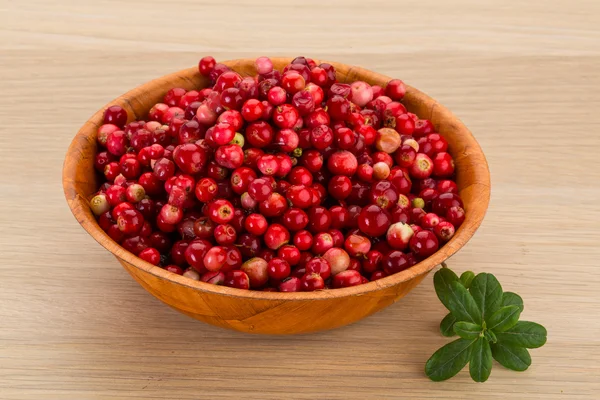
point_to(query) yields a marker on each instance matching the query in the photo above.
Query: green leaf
(462, 305)
(490, 336)
(441, 281)
(512, 299)
(467, 278)
(449, 360)
(467, 330)
(511, 357)
(455, 296)
(524, 334)
(487, 292)
(503, 319)
(447, 325)
(480, 365)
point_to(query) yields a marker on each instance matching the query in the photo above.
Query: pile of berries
(284, 181)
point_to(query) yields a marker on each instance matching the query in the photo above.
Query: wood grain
(521, 75)
(263, 312)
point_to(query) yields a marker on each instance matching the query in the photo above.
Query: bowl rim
(77, 202)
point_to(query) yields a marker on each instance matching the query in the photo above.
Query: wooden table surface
(523, 76)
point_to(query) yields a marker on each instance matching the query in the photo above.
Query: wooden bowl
(266, 312)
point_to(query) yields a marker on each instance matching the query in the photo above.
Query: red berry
(276, 236)
(346, 279)
(115, 115)
(256, 224)
(395, 89)
(220, 211)
(237, 279)
(290, 285)
(312, 282)
(278, 269)
(395, 262)
(257, 271)
(342, 163)
(303, 240)
(423, 244)
(443, 165)
(455, 215)
(373, 221)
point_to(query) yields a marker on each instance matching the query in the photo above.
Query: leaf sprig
(486, 319)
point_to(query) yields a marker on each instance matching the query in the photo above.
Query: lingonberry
(395, 262)
(423, 244)
(150, 255)
(443, 165)
(373, 221)
(398, 235)
(317, 118)
(346, 279)
(300, 176)
(422, 167)
(215, 258)
(99, 204)
(120, 208)
(303, 240)
(319, 219)
(115, 115)
(135, 193)
(338, 259)
(444, 202)
(237, 279)
(284, 165)
(365, 172)
(289, 253)
(104, 131)
(214, 277)
(340, 217)
(176, 269)
(260, 189)
(274, 206)
(372, 261)
(135, 244)
(312, 282)
(423, 127)
(293, 82)
(357, 246)
(339, 108)
(321, 137)
(447, 186)
(304, 102)
(361, 93)
(116, 194)
(257, 271)
(192, 274)
(438, 143)
(444, 231)
(342, 163)
(395, 89)
(287, 140)
(206, 189)
(278, 269)
(321, 243)
(383, 194)
(291, 284)
(230, 156)
(117, 143)
(276, 236)
(256, 224)
(220, 211)
(225, 235)
(206, 65)
(285, 116)
(455, 215)
(299, 196)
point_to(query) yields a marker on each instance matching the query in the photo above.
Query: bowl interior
(80, 180)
